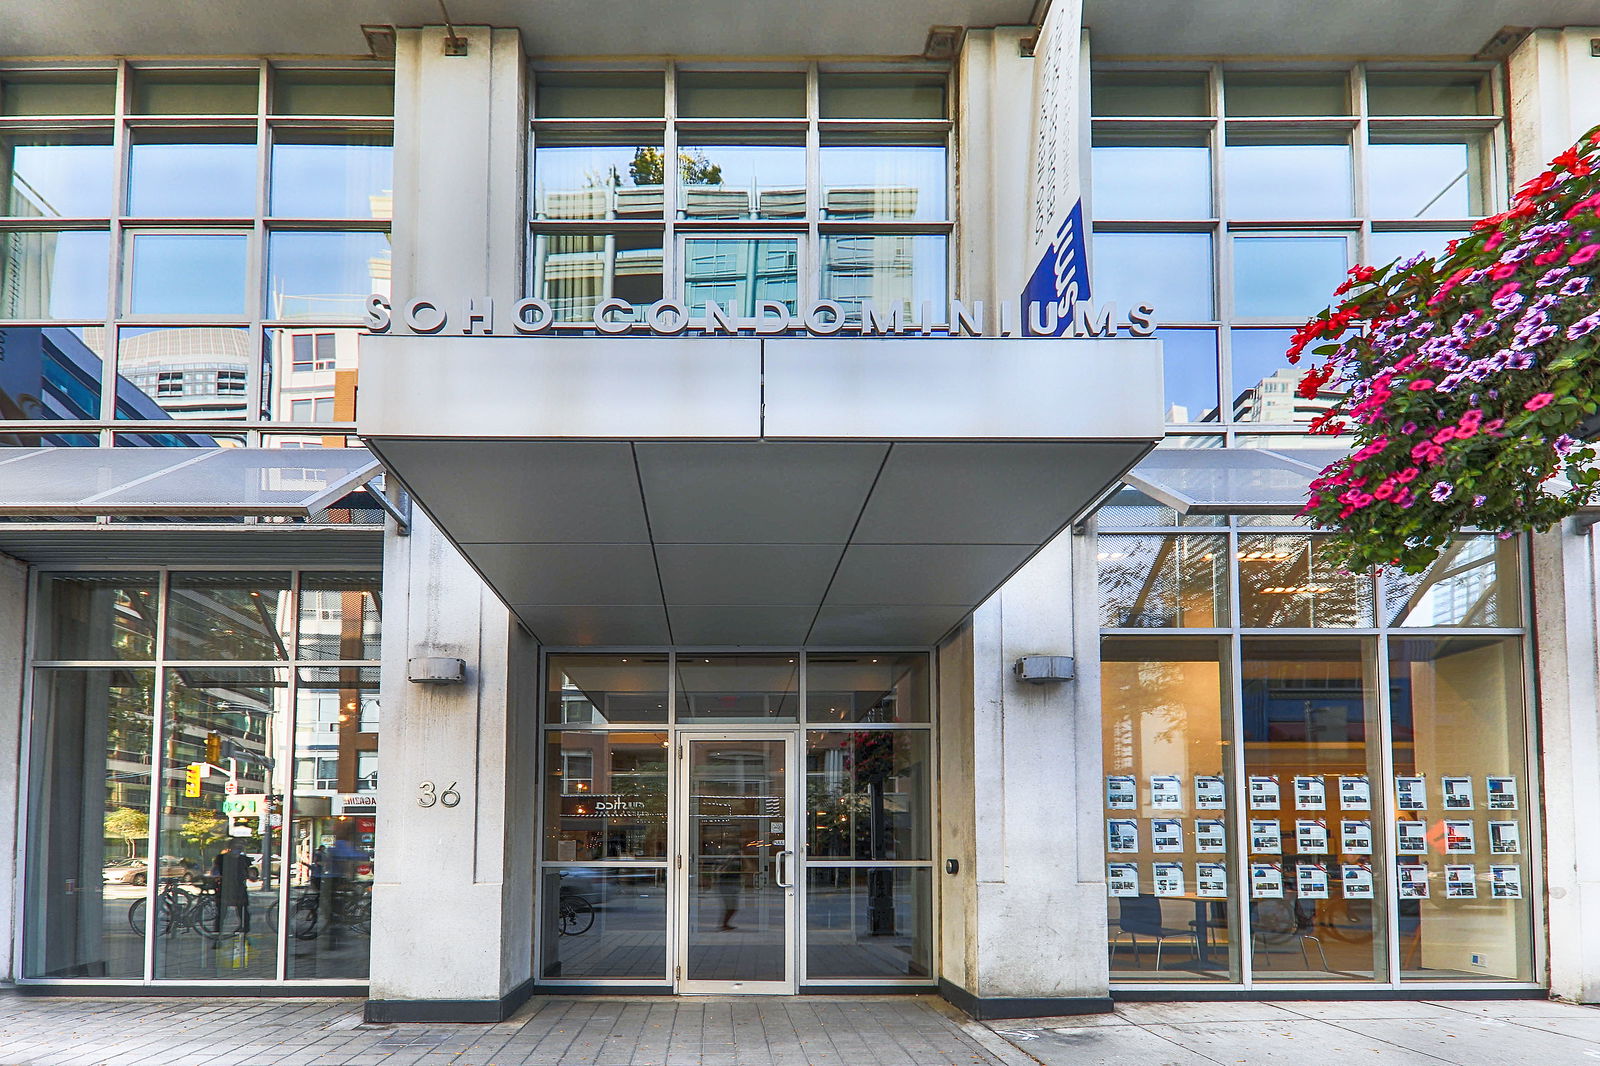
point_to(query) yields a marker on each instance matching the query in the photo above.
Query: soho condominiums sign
(824, 318)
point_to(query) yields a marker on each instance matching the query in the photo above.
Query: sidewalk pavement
(794, 1031)
(1383, 1033)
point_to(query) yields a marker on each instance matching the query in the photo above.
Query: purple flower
(1584, 326)
(1441, 491)
(1552, 276)
(1576, 287)
(1542, 335)
(1519, 253)
(1479, 501)
(1565, 445)
(1545, 302)
(1507, 304)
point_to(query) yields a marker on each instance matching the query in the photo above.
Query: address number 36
(428, 794)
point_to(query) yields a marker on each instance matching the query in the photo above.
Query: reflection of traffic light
(241, 825)
(214, 748)
(191, 781)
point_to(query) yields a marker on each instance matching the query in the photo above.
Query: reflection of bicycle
(574, 915)
(352, 909)
(181, 910)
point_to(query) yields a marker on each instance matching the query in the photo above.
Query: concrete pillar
(1554, 89)
(13, 630)
(1023, 925)
(453, 903)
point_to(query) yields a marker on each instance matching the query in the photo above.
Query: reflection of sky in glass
(188, 273)
(1189, 369)
(1152, 182)
(192, 180)
(1286, 277)
(57, 180)
(903, 182)
(1258, 354)
(315, 275)
(323, 180)
(1169, 271)
(891, 270)
(762, 181)
(1420, 180)
(1385, 246)
(576, 179)
(1289, 180)
(72, 266)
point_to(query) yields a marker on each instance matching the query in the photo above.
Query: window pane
(574, 273)
(89, 93)
(1474, 582)
(1408, 93)
(1170, 271)
(736, 272)
(605, 796)
(1387, 246)
(334, 830)
(325, 275)
(738, 688)
(885, 687)
(51, 372)
(1288, 180)
(1279, 94)
(192, 174)
(1163, 581)
(333, 175)
(746, 94)
(1144, 181)
(733, 182)
(57, 175)
(605, 689)
(225, 932)
(1165, 738)
(867, 794)
(598, 181)
(206, 92)
(1286, 277)
(868, 923)
(308, 364)
(339, 616)
(584, 95)
(189, 273)
(904, 183)
(88, 856)
(603, 922)
(892, 270)
(1264, 384)
(888, 95)
(191, 372)
(332, 92)
(1286, 582)
(1311, 759)
(53, 274)
(1443, 179)
(96, 616)
(228, 616)
(1180, 95)
(1189, 371)
(1466, 894)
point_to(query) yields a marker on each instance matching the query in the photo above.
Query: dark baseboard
(868, 990)
(390, 1011)
(220, 990)
(603, 990)
(1260, 995)
(988, 1007)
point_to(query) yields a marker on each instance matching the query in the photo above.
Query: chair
(1141, 916)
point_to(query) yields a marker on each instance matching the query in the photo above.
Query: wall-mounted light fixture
(1044, 669)
(436, 670)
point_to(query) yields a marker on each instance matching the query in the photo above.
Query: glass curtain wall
(187, 250)
(1234, 200)
(742, 188)
(612, 724)
(1312, 776)
(202, 779)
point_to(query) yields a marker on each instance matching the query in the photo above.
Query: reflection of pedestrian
(730, 875)
(338, 862)
(231, 870)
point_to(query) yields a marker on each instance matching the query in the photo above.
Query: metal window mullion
(287, 782)
(809, 288)
(158, 735)
(677, 800)
(1381, 808)
(1358, 165)
(671, 262)
(1221, 258)
(114, 248)
(1241, 796)
(1532, 765)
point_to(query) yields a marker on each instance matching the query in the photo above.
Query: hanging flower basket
(1471, 382)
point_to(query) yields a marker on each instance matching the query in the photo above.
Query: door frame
(678, 916)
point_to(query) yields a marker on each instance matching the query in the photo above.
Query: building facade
(759, 506)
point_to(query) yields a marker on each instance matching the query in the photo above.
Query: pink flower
(1541, 400)
(1505, 290)
(1445, 435)
(1471, 418)
(1584, 254)
(1408, 475)
(1420, 385)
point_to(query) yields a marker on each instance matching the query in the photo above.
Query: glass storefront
(202, 794)
(1311, 776)
(654, 755)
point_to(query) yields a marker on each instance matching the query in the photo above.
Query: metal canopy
(1232, 480)
(267, 482)
(712, 491)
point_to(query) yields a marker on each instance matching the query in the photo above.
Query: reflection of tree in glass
(202, 829)
(130, 825)
(648, 168)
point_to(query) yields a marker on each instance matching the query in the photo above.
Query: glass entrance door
(736, 909)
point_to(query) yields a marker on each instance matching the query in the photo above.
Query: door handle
(783, 869)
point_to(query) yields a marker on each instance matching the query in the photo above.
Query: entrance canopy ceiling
(1233, 480)
(754, 492)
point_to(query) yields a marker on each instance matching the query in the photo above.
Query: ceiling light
(943, 42)
(380, 41)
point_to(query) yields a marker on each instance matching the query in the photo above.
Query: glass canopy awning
(1233, 480)
(131, 482)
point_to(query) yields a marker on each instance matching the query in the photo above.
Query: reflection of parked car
(137, 871)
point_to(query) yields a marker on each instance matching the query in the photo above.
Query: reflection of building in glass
(737, 273)
(312, 377)
(197, 372)
(880, 268)
(574, 273)
(1274, 399)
